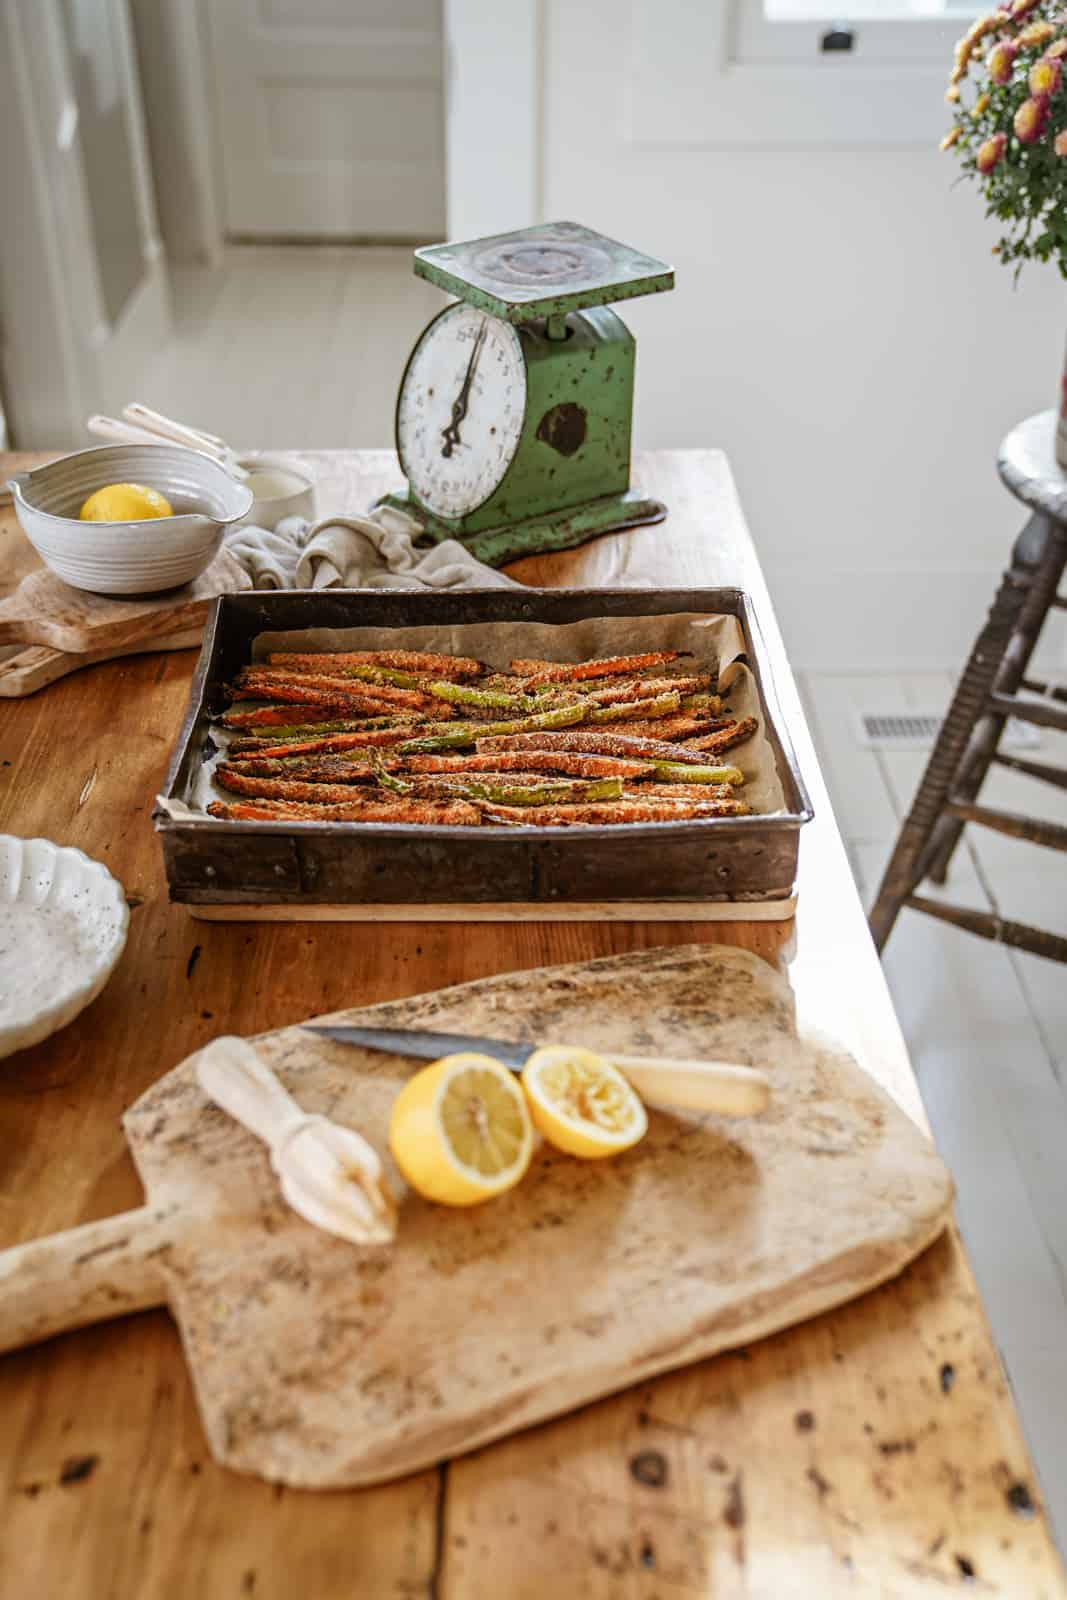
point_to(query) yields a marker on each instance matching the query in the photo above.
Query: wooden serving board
(69, 628)
(512, 911)
(320, 1364)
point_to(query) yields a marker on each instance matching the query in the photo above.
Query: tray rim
(790, 820)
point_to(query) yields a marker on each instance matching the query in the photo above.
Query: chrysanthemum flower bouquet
(1009, 95)
(1012, 131)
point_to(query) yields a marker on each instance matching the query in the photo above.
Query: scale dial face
(461, 409)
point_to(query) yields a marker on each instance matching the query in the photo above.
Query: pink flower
(1020, 8)
(991, 152)
(1037, 33)
(1045, 76)
(1060, 147)
(1001, 60)
(1030, 119)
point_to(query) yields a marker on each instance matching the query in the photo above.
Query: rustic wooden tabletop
(872, 1451)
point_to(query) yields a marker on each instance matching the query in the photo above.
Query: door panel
(330, 117)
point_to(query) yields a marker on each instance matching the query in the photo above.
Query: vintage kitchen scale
(514, 412)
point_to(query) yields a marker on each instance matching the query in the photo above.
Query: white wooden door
(329, 115)
(83, 282)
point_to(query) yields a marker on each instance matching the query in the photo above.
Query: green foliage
(1026, 189)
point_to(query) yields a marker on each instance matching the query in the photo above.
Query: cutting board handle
(88, 1274)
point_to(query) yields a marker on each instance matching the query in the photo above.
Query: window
(763, 74)
(900, 31)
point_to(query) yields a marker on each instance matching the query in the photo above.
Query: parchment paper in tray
(711, 641)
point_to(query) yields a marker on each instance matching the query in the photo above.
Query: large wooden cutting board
(320, 1364)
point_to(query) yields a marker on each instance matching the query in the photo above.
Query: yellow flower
(991, 152)
(1030, 120)
(1057, 51)
(981, 104)
(1045, 77)
(1060, 145)
(1036, 33)
(950, 138)
(952, 94)
(1001, 60)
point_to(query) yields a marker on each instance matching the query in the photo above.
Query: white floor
(306, 347)
(987, 1030)
(292, 346)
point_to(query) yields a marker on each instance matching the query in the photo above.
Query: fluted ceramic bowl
(143, 557)
(63, 923)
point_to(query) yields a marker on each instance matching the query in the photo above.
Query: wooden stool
(987, 694)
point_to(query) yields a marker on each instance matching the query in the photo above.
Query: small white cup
(278, 491)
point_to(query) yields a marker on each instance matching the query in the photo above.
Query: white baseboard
(891, 621)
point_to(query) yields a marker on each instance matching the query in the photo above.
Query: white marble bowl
(63, 924)
(142, 557)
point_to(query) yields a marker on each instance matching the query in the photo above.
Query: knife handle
(732, 1091)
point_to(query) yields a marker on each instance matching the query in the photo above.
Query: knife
(720, 1086)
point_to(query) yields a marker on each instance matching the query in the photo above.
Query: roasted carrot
(537, 672)
(255, 683)
(574, 764)
(373, 738)
(614, 811)
(724, 738)
(644, 689)
(504, 789)
(682, 726)
(307, 769)
(581, 740)
(273, 717)
(426, 661)
(285, 788)
(447, 813)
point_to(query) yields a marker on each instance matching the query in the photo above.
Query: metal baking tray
(214, 863)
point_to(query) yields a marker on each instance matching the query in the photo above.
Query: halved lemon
(125, 502)
(460, 1131)
(581, 1103)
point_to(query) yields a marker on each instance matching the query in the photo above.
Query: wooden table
(874, 1451)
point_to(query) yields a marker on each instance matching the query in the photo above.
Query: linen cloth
(376, 551)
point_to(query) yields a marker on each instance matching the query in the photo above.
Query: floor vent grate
(917, 730)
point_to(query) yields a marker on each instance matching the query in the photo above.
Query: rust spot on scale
(563, 428)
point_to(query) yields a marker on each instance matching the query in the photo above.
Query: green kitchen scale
(514, 413)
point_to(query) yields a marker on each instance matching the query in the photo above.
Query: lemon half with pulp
(125, 502)
(460, 1131)
(581, 1103)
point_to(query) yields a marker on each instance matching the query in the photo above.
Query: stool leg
(1038, 561)
(903, 873)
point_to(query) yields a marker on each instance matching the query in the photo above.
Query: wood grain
(808, 1507)
(315, 1364)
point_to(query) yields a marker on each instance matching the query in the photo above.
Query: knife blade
(671, 1085)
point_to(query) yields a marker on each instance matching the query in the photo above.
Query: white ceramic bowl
(63, 924)
(279, 491)
(143, 557)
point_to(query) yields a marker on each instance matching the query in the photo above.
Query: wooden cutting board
(63, 629)
(320, 1364)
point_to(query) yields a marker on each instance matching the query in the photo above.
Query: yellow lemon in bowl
(125, 502)
(460, 1131)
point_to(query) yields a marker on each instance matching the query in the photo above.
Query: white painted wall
(839, 327)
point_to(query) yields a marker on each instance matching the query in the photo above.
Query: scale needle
(450, 434)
